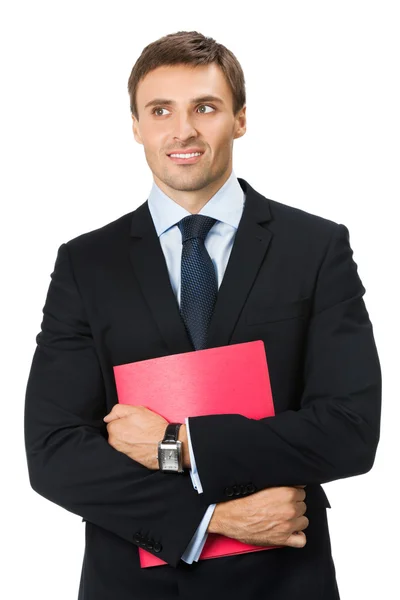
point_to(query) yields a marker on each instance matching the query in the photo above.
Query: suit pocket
(278, 312)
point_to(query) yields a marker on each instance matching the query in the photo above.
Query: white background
(323, 134)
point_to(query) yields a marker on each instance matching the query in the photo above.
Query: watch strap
(172, 432)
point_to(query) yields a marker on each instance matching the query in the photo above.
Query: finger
(301, 508)
(118, 411)
(300, 523)
(300, 495)
(297, 540)
(112, 416)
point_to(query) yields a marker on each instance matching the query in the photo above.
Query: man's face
(179, 122)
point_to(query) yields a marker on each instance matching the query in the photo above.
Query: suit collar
(257, 208)
(249, 249)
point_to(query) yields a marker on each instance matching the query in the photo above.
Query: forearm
(287, 450)
(331, 430)
(70, 461)
(77, 469)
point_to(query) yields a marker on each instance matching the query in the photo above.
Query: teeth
(186, 155)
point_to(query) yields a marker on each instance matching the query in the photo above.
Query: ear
(240, 128)
(135, 129)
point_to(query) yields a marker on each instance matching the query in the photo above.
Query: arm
(336, 431)
(70, 461)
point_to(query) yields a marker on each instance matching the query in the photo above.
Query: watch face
(169, 459)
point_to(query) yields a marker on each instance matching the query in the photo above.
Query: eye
(156, 108)
(207, 105)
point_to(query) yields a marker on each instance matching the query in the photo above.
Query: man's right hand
(271, 517)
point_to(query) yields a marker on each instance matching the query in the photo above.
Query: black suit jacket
(290, 281)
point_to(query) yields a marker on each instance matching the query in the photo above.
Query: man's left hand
(136, 431)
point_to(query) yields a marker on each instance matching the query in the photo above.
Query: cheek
(221, 148)
(152, 139)
(149, 143)
(221, 137)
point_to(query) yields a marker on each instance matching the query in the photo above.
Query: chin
(187, 182)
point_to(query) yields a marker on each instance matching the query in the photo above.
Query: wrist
(182, 437)
(213, 526)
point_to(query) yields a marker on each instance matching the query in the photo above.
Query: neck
(193, 200)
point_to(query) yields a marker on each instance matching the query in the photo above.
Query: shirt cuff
(193, 471)
(196, 544)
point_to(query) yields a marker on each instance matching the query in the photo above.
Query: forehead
(181, 83)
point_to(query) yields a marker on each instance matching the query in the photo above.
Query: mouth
(180, 160)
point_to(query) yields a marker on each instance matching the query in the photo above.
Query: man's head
(170, 89)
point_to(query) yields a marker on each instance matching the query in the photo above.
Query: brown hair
(188, 47)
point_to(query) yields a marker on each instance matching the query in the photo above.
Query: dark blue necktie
(199, 287)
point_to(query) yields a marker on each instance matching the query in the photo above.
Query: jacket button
(236, 490)
(250, 487)
(150, 544)
(228, 491)
(157, 547)
(243, 489)
(137, 538)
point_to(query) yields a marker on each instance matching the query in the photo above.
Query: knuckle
(302, 507)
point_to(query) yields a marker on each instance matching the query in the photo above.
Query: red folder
(231, 379)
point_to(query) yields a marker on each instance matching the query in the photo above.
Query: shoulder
(283, 218)
(301, 229)
(297, 219)
(101, 242)
(105, 232)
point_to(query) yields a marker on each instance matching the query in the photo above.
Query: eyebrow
(208, 98)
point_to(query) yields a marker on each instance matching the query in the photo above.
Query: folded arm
(335, 432)
(70, 461)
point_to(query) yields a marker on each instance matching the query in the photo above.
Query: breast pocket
(278, 312)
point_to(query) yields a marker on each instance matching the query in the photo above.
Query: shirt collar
(226, 205)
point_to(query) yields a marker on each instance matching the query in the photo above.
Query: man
(145, 286)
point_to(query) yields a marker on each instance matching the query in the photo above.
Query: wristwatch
(170, 450)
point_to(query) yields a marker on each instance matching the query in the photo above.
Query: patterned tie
(199, 287)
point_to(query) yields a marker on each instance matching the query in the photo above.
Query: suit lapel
(248, 251)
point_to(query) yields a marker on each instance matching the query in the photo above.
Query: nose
(183, 127)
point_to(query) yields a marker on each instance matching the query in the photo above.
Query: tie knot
(194, 226)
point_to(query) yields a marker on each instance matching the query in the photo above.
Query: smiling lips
(186, 161)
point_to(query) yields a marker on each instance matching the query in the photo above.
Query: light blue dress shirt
(227, 207)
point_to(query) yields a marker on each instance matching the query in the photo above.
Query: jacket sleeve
(70, 461)
(335, 432)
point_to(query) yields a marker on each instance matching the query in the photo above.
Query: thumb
(118, 411)
(297, 540)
